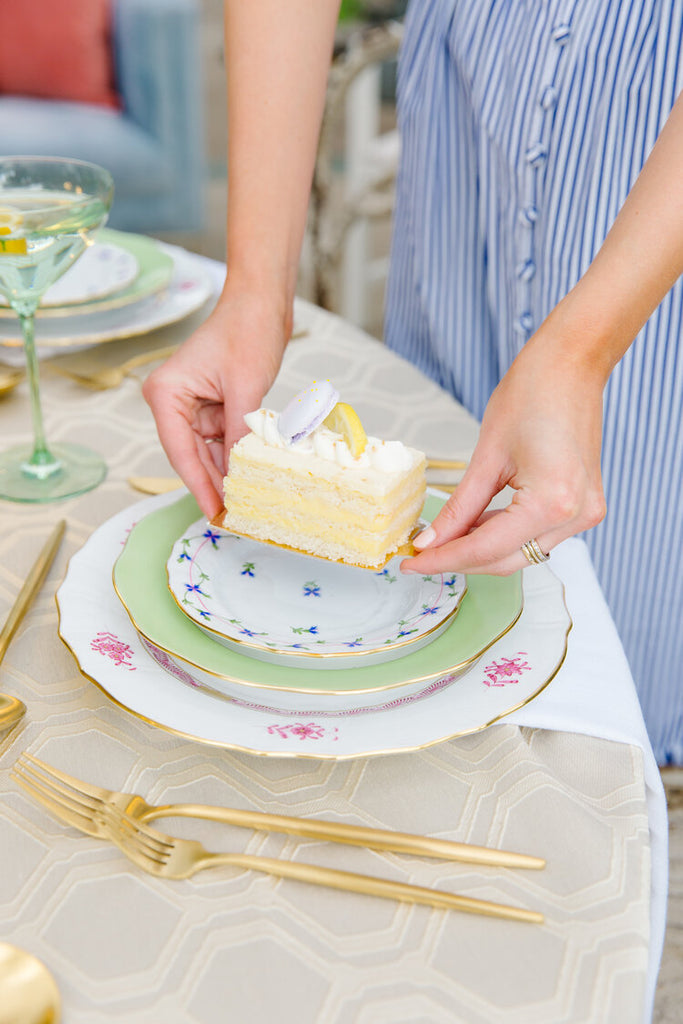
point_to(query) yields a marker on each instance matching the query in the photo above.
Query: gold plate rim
(447, 670)
(458, 667)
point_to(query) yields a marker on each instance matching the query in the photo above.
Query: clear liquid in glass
(41, 234)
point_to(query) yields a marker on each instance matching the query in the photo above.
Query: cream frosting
(381, 456)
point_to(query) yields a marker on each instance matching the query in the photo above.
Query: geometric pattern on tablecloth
(122, 943)
(125, 946)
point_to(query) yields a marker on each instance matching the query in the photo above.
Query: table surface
(124, 945)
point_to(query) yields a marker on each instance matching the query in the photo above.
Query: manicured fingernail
(425, 538)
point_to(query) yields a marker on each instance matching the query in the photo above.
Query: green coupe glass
(50, 210)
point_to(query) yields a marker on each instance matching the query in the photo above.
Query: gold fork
(84, 801)
(9, 379)
(112, 376)
(169, 857)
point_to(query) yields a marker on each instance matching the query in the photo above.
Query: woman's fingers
(188, 454)
(493, 545)
(493, 542)
(200, 396)
(465, 506)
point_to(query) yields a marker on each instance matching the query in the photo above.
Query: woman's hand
(541, 435)
(541, 432)
(277, 58)
(200, 395)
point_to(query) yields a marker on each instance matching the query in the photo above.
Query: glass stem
(41, 456)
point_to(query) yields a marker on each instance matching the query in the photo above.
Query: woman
(526, 260)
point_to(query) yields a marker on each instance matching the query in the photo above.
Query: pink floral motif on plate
(303, 731)
(112, 647)
(505, 670)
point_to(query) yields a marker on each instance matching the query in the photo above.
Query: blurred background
(139, 87)
(345, 257)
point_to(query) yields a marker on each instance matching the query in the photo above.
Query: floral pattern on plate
(264, 600)
(163, 695)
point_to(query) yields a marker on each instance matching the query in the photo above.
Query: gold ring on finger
(534, 553)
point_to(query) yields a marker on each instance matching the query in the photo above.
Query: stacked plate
(243, 645)
(292, 610)
(123, 285)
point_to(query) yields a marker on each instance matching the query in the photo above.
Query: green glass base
(72, 470)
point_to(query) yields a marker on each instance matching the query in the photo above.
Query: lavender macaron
(307, 410)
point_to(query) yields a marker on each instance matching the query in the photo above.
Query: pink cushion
(57, 49)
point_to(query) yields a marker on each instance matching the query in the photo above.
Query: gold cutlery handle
(353, 835)
(155, 484)
(11, 710)
(161, 484)
(148, 357)
(446, 464)
(32, 584)
(369, 885)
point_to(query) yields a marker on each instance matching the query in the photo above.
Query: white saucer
(289, 609)
(101, 270)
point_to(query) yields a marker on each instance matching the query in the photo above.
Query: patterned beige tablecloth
(248, 948)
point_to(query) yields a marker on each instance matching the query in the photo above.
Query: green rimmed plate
(145, 682)
(490, 608)
(155, 268)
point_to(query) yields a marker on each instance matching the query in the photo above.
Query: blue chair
(154, 145)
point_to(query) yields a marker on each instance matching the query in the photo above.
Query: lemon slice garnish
(11, 221)
(345, 420)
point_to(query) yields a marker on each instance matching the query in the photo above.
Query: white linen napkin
(594, 694)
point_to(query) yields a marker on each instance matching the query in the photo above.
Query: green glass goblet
(50, 210)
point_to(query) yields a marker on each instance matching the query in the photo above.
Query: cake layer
(362, 540)
(348, 542)
(254, 490)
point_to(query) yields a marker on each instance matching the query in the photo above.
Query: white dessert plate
(287, 609)
(98, 631)
(103, 269)
(189, 287)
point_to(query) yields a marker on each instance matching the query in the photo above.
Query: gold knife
(162, 484)
(11, 708)
(447, 464)
(155, 484)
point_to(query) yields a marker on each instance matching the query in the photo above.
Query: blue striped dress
(524, 124)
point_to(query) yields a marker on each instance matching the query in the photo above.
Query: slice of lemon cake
(310, 479)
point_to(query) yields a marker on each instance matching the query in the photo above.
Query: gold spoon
(9, 380)
(29, 993)
(11, 708)
(112, 376)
